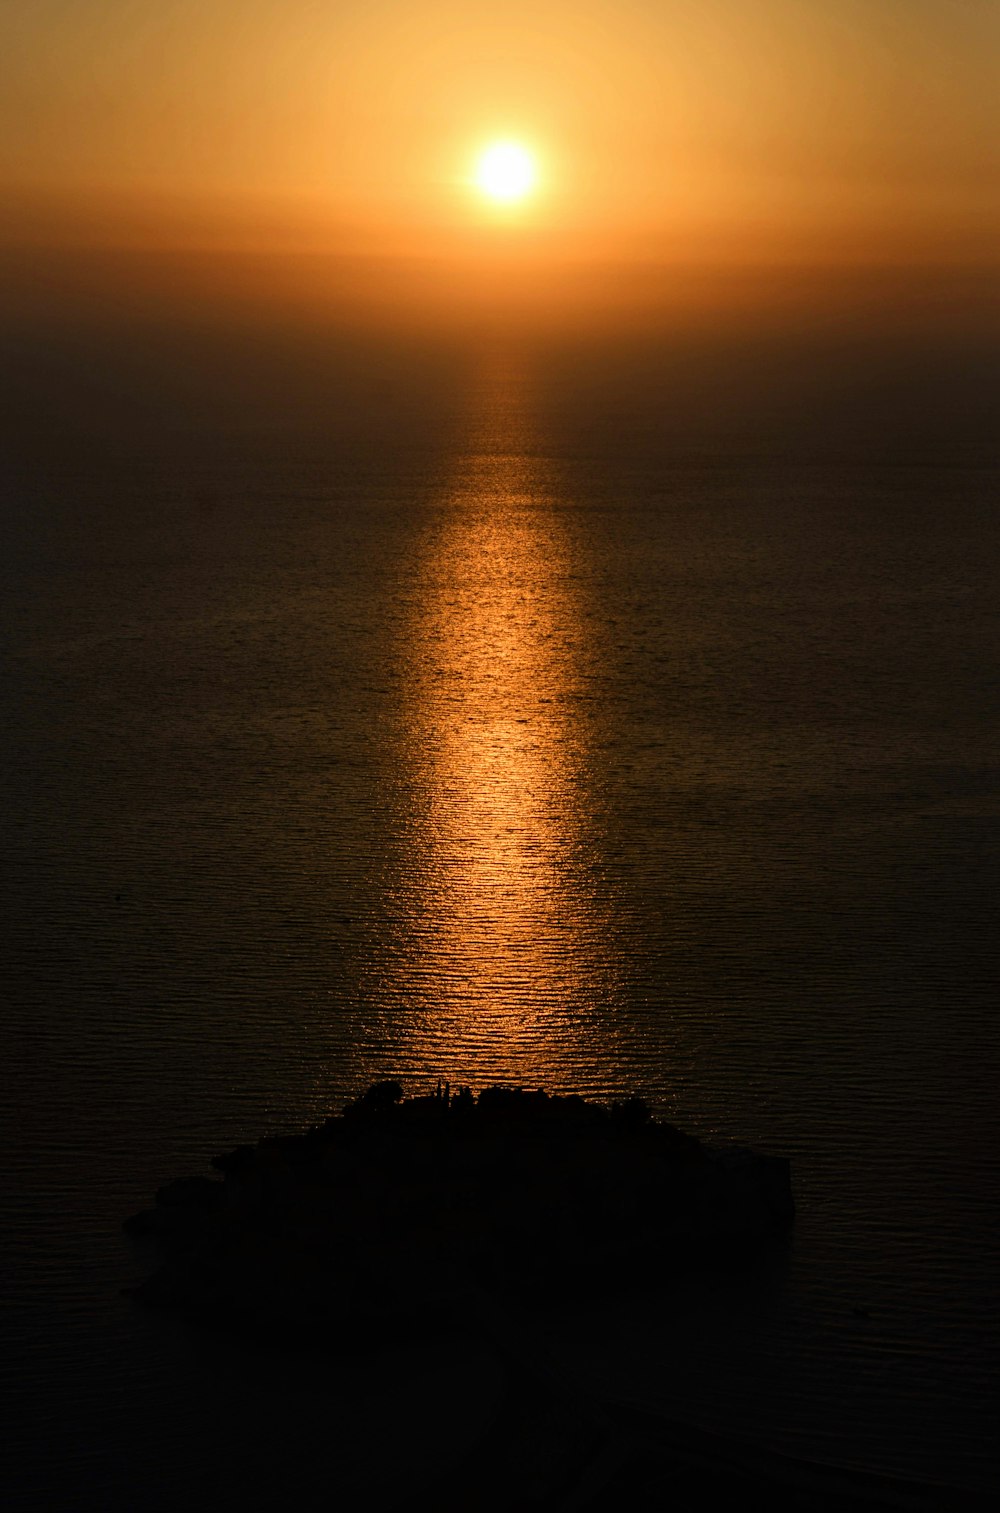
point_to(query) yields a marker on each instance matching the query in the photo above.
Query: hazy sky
(724, 130)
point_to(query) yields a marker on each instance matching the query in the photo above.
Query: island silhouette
(382, 1219)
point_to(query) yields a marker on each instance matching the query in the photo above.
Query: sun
(506, 172)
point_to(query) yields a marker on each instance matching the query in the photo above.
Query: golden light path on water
(504, 958)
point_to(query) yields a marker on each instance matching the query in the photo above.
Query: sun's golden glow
(504, 945)
(506, 172)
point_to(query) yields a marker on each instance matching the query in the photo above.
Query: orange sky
(690, 132)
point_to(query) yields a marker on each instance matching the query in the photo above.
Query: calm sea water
(474, 729)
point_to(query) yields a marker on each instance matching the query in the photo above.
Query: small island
(391, 1216)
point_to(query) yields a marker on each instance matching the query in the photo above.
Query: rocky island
(391, 1215)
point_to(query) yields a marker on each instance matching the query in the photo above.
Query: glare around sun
(505, 172)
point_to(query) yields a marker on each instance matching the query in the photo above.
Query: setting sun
(506, 172)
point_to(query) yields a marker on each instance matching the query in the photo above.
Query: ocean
(493, 715)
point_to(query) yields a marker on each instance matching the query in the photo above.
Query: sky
(719, 137)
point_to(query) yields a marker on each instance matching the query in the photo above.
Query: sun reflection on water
(504, 953)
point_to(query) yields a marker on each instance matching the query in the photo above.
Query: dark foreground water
(479, 730)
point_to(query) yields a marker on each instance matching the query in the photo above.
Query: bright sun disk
(505, 171)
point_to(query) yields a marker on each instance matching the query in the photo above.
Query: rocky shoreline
(402, 1216)
(390, 1216)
